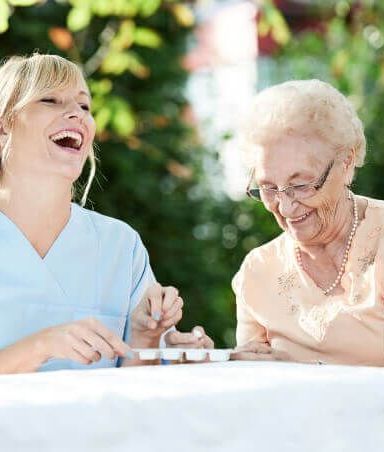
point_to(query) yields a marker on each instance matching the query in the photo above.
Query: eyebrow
(85, 93)
(293, 176)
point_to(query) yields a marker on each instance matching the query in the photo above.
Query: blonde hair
(24, 79)
(304, 108)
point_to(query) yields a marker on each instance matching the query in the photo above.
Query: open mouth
(300, 219)
(68, 140)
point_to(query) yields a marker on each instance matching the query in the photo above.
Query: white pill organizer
(176, 354)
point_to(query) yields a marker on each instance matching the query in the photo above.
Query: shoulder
(269, 252)
(263, 260)
(107, 227)
(373, 220)
(376, 205)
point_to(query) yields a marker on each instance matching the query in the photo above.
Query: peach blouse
(277, 302)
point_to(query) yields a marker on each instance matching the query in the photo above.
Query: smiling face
(53, 134)
(296, 160)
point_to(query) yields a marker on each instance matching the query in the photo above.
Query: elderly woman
(75, 286)
(316, 292)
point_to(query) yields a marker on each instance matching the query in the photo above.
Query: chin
(70, 172)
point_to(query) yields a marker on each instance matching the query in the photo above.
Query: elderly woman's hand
(159, 310)
(258, 351)
(197, 338)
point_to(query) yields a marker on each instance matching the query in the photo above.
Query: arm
(26, 355)
(251, 336)
(85, 341)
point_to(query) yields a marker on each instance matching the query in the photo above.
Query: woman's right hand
(84, 341)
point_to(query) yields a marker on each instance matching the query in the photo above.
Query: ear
(3, 128)
(349, 165)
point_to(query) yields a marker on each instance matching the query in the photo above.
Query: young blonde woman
(75, 286)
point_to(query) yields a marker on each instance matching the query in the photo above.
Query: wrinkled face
(53, 134)
(297, 160)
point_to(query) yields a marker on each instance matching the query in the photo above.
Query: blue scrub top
(97, 267)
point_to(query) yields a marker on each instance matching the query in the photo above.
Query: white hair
(303, 108)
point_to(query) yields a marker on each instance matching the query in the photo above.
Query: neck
(38, 207)
(332, 245)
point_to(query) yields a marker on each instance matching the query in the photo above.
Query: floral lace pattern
(285, 283)
(316, 320)
(313, 320)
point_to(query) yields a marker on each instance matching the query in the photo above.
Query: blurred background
(170, 82)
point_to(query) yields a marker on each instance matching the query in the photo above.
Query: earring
(349, 191)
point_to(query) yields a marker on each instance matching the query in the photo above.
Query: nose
(74, 111)
(286, 205)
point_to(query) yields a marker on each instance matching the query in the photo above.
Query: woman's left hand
(159, 310)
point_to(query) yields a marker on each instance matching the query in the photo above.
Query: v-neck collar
(28, 244)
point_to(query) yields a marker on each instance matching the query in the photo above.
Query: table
(226, 407)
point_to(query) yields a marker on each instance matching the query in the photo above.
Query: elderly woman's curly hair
(303, 108)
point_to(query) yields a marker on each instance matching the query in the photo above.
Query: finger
(255, 347)
(145, 321)
(99, 344)
(85, 350)
(176, 306)
(208, 342)
(170, 296)
(74, 355)
(251, 356)
(173, 321)
(198, 331)
(154, 296)
(120, 347)
(176, 338)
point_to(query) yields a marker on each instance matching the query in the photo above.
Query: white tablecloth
(233, 406)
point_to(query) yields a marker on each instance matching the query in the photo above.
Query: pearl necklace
(346, 252)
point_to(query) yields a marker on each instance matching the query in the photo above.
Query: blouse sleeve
(248, 328)
(379, 273)
(142, 278)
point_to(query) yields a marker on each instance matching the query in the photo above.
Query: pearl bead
(346, 252)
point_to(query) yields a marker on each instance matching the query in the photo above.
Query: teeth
(299, 218)
(68, 134)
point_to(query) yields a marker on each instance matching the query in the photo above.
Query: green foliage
(5, 10)
(79, 17)
(272, 21)
(4, 15)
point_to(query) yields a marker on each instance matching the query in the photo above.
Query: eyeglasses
(301, 191)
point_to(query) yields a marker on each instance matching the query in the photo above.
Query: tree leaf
(4, 15)
(147, 37)
(125, 35)
(183, 14)
(279, 28)
(123, 121)
(23, 2)
(100, 87)
(79, 18)
(102, 118)
(119, 62)
(149, 7)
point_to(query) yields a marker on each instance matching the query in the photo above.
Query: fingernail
(156, 316)
(198, 334)
(130, 355)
